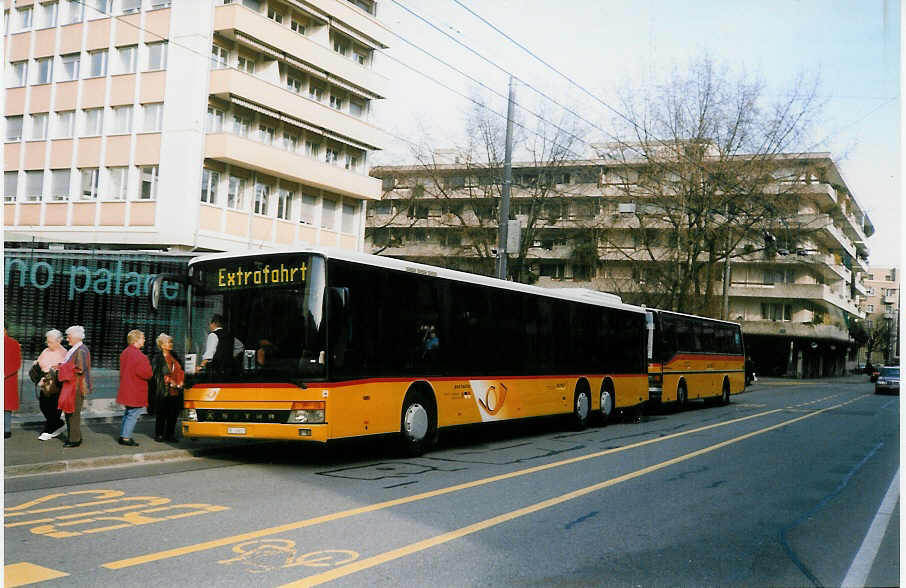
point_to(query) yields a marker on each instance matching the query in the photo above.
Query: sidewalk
(24, 454)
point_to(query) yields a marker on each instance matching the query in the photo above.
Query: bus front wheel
(681, 396)
(418, 424)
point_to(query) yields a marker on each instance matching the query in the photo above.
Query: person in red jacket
(12, 361)
(135, 371)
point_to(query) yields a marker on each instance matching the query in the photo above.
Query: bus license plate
(236, 430)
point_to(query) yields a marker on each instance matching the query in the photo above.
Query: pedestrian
(221, 349)
(12, 360)
(135, 371)
(75, 374)
(168, 380)
(48, 390)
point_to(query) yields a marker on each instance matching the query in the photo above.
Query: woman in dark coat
(167, 386)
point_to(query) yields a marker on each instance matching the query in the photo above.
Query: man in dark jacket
(221, 349)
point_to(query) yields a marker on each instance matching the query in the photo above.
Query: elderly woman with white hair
(49, 395)
(78, 363)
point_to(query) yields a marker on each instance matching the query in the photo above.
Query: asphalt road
(783, 487)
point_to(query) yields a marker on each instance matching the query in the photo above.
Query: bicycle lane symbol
(266, 555)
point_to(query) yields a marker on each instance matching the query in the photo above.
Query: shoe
(45, 436)
(71, 444)
(159, 439)
(58, 431)
(129, 442)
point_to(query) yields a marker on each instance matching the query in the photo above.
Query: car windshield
(271, 305)
(890, 372)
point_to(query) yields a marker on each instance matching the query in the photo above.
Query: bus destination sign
(256, 275)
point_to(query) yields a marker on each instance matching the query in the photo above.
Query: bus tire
(418, 423)
(681, 396)
(608, 402)
(581, 405)
(725, 393)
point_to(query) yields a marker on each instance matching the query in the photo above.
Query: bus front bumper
(277, 431)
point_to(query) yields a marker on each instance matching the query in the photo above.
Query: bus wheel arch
(581, 404)
(418, 419)
(608, 400)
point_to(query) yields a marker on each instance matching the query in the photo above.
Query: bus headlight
(306, 412)
(189, 413)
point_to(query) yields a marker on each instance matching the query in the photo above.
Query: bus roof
(575, 294)
(695, 316)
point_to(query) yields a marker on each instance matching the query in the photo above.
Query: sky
(605, 46)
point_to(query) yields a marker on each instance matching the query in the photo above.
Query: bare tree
(709, 173)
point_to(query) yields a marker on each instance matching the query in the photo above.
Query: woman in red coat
(12, 360)
(135, 371)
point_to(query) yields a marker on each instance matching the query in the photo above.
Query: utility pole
(504, 213)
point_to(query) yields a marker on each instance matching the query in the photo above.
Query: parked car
(888, 380)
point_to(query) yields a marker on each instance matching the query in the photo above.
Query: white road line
(865, 557)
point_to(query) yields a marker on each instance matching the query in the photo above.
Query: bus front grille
(216, 415)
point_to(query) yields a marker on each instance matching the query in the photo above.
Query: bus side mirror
(338, 329)
(157, 286)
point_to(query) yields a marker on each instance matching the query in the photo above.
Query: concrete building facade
(190, 124)
(795, 306)
(881, 306)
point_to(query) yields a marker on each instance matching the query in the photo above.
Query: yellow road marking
(21, 574)
(179, 551)
(406, 550)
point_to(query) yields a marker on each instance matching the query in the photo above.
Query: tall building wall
(201, 124)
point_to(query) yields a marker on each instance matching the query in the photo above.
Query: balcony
(818, 292)
(823, 227)
(825, 195)
(889, 299)
(227, 82)
(257, 156)
(235, 17)
(792, 329)
(861, 289)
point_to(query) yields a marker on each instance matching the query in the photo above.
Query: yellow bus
(692, 357)
(334, 344)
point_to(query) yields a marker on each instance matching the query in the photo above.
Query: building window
(97, 63)
(236, 193)
(241, 125)
(18, 74)
(89, 184)
(130, 6)
(328, 214)
(275, 15)
(10, 179)
(157, 56)
(297, 25)
(360, 55)
(220, 57)
(70, 69)
(315, 91)
(97, 8)
(73, 11)
(59, 184)
(214, 122)
(336, 102)
(246, 64)
(340, 45)
(290, 142)
(14, 128)
(94, 121)
(117, 182)
(266, 134)
(64, 126)
(356, 108)
(262, 195)
(308, 209)
(870, 307)
(155, 4)
(43, 70)
(209, 181)
(285, 204)
(350, 218)
(331, 155)
(39, 126)
(150, 175)
(34, 185)
(126, 58)
(312, 149)
(47, 15)
(153, 117)
(122, 119)
(24, 17)
(776, 311)
(293, 84)
(352, 162)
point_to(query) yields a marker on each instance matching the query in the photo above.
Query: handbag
(49, 386)
(35, 373)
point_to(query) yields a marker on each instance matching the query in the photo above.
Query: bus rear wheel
(581, 406)
(418, 424)
(681, 396)
(607, 403)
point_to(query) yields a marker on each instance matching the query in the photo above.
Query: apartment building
(794, 300)
(881, 306)
(190, 124)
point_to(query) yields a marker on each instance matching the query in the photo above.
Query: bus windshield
(271, 305)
